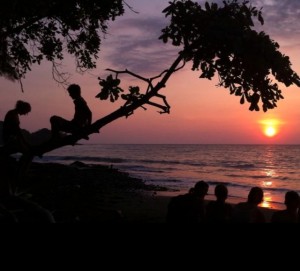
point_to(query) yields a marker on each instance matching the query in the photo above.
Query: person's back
(190, 207)
(245, 212)
(248, 212)
(290, 215)
(10, 126)
(82, 116)
(219, 211)
(178, 209)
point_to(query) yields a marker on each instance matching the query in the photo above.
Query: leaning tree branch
(123, 111)
(166, 107)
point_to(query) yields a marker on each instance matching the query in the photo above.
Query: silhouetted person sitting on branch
(14, 141)
(82, 117)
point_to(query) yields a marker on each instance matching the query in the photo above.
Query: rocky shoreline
(82, 193)
(87, 193)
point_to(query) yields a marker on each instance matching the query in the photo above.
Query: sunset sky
(200, 112)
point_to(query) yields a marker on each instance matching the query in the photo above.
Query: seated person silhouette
(81, 119)
(248, 212)
(13, 138)
(219, 211)
(290, 215)
(190, 207)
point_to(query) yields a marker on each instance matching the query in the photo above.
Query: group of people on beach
(192, 207)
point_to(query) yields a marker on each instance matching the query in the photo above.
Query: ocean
(275, 168)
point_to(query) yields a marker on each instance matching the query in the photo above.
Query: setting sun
(270, 131)
(270, 128)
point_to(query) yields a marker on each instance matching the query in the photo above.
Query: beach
(82, 193)
(178, 167)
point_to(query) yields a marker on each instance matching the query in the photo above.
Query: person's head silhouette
(256, 195)
(292, 200)
(201, 188)
(221, 192)
(23, 108)
(74, 91)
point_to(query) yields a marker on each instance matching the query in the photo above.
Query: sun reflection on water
(267, 184)
(267, 201)
(270, 174)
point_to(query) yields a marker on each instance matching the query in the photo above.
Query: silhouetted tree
(217, 40)
(33, 30)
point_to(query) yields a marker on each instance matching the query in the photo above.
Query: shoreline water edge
(95, 193)
(276, 169)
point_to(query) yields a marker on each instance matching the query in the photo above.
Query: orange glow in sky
(201, 112)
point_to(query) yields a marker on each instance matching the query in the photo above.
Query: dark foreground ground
(92, 193)
(81, 193)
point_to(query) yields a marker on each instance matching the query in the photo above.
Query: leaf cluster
(31, 31)
(222, 41)
(133, 95)
(110, 89)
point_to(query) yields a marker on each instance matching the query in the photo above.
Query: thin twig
(130, 73)
(130, 7)
(21, 85)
